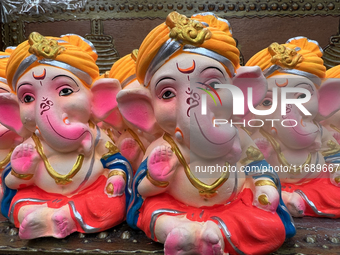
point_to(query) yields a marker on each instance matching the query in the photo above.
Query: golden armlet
(117, 172)
(265, 183)
(156, 183)
(22, 176)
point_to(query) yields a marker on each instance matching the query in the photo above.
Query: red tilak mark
(283, 84)
(187, 70)
(40, 77)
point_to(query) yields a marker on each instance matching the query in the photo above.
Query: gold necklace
(6, 160)
(335, 128)
(282, 159)
(58, 178)
(204, 189)
(110, 135)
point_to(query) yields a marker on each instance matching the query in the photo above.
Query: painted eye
(28, 99)
(267, 102)
(302, 96)
(168, 94)
(213, 84)
(65, 92)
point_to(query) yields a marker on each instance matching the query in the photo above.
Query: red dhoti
(252, 230)
(91, 209)
(322, 193)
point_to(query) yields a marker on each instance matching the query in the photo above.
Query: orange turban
(203, 34)
(298, 55)
(124, 69)
(334, 72)
(4, 56)
(70, 52)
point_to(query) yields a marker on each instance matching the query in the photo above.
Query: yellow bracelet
(117, 172)
(22, 176)
(265, 183)
(156, 183)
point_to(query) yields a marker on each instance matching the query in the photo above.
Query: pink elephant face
(305, 130)
(8, 138)
(55, 102)
(176, 91)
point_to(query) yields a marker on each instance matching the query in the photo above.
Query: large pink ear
(104, 93)
(136, 107)
(251, 77)
(329, 95)
(10, 115)
(115, 120)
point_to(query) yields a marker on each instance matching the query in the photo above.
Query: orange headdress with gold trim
(298, 55)
(334, 72)
(70, 52)
(203, 34)
(4, 56)
(124, 69)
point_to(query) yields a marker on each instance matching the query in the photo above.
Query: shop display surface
(314, 236)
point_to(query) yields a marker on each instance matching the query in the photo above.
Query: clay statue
(301, 151)
(131, 142)
(68, 174)
(8, 139)
(332, 124)
(175, 201)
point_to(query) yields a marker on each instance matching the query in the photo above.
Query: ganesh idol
(304, 153)
(332, 124)
(194, 212)
(131, 142)
(68, 175)
(8, 139)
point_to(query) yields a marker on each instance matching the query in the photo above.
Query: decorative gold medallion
(44, 47)
(283, 56)
(185, 30)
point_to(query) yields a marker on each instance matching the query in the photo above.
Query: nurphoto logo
(239, 102)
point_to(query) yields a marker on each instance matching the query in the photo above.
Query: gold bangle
(117, 172)
(156, 183)
(22, 176)
(265, 183)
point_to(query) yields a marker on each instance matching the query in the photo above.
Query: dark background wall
(253, 34)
